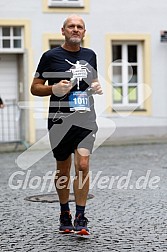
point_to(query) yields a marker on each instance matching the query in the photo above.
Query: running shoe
(66, 223)
(80, 225)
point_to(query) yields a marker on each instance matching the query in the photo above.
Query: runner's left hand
(96, 88)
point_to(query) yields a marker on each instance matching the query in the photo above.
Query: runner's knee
(82, 166)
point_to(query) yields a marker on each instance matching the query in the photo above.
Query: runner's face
(74, 30)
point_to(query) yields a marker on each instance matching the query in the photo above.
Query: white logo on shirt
(79, 72)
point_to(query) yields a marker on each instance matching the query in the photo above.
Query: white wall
(109, 16)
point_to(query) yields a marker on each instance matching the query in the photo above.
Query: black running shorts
(76, 137)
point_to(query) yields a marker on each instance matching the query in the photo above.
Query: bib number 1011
(81, 100)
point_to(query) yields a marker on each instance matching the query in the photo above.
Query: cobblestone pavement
(128, 212)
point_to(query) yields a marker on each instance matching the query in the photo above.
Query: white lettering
(19, 182)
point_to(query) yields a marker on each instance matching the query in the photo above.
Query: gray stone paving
(130, 216)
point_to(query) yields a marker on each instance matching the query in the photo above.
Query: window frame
(66, 4)
(125, 84)
(59, 38)
(146, 42)
(65, 9)
(11, 38)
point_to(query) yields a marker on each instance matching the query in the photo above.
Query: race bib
(79, 101)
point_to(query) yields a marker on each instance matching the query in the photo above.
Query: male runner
(71, 72)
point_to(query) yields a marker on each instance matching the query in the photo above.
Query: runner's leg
(62, 179)
(81, 189)
(81, 159)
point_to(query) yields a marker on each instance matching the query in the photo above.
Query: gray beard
(75, 41)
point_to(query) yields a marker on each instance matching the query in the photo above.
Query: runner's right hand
(61, 88)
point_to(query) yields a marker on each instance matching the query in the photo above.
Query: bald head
(74, 31)
(73, 18)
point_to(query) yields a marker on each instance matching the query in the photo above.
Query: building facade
(129, 38)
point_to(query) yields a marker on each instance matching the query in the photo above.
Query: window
(55, 43)
(66, 6)
(127, 74)
(11, 38)
(58, 42)
(65, 3)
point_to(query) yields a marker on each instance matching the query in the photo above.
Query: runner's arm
(39, 88)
